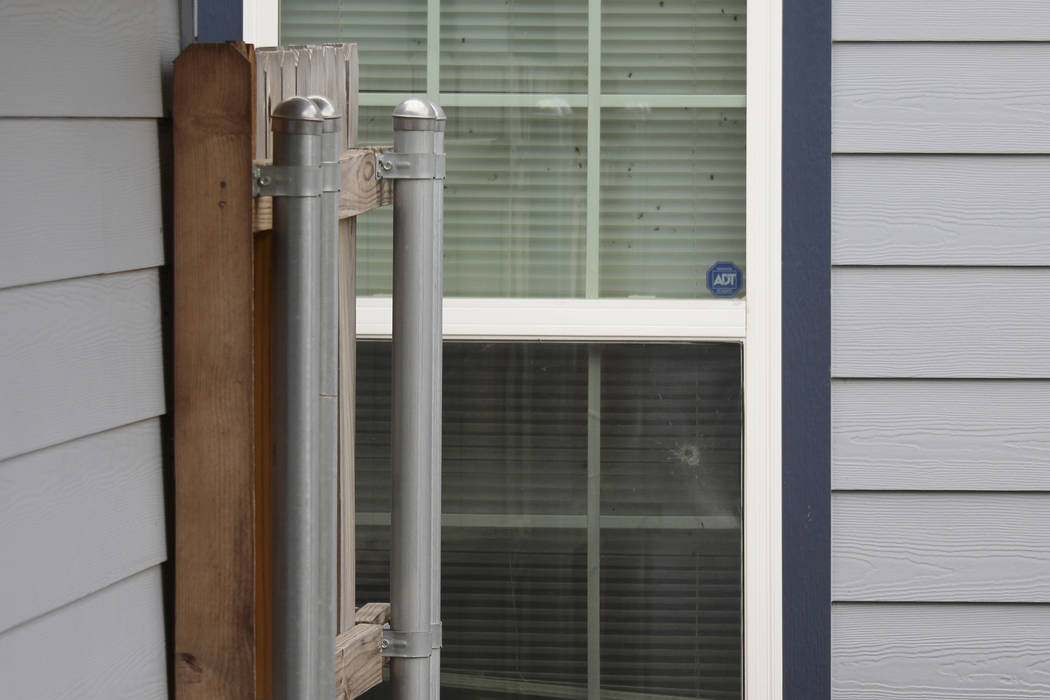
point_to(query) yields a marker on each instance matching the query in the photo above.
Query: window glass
(514, 47)
(515, 204)
(520, 459)
(674, 47)
(672, 199)
(391, 37)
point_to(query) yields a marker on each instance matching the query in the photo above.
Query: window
(602, 157)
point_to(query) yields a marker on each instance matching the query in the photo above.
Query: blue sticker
(724, 279)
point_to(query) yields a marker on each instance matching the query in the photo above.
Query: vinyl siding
(940, 369)
(82, 524)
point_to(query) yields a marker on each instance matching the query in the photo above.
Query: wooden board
(982, 435)
(939, 652)
(84, 57)
(965, 547)
(111, 645)
(940, 322)
(262, 368)
(940, 20)
(358, 655)
(329, 70)
(940, 98)
(78, 517)
(360, 191)
(940, 210)
(106, 174)
(347, 415)
(214, 398)
(79, 356)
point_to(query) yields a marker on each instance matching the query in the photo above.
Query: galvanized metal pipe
(412, 407)
(436, 296)
(297, 125)
(328, 397)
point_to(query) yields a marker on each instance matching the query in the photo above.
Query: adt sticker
(724, 279)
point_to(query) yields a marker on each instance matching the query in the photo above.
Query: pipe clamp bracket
(410, 166)
(410, 645)
(287, 181)
(333, 176)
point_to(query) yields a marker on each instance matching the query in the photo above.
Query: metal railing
(304, 182)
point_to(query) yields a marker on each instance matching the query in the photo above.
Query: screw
(265, 180)
(384, 644)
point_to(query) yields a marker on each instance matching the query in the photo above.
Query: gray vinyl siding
(82, 525)
(940, 349)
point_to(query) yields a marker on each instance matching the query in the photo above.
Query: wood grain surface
(214, 415)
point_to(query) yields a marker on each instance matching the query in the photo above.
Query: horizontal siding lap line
(84, 355)
(107, 176)
(112, 645)
(937, 491)
(89, 276)
(940, 97)
(98, 504)
(956, 651)
(911, 546)
(903, 321)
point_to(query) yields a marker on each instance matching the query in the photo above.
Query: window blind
(670, 201)
(522, 46)
(514, 577)
(390, 37)
(674, 47)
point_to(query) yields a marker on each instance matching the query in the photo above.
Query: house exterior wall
(940, 577)
(82, 527)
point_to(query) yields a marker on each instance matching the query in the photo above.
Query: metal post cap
(416, 114)
(328, 113)
(297, 115)
(441, 118)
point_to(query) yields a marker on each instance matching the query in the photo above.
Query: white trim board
(572, 319)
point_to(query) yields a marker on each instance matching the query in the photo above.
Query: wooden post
(215, 447)
(222, 269)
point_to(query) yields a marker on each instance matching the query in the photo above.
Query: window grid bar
(594, 127)
(594, 477)
(530, 521)
(501, 99)
(433, 50)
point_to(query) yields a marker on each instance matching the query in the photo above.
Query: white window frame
(754, 321)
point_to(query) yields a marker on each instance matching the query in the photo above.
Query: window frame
(754, 321)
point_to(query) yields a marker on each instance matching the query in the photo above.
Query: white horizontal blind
(672, 199)
(390, 37)
(674, 47)
(522, 46)
(668, 143)
(515, 513)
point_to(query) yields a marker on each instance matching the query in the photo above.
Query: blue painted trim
(219, 20)
(806, 315)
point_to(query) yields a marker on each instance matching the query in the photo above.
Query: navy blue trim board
(806, 347)
(219, 20)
